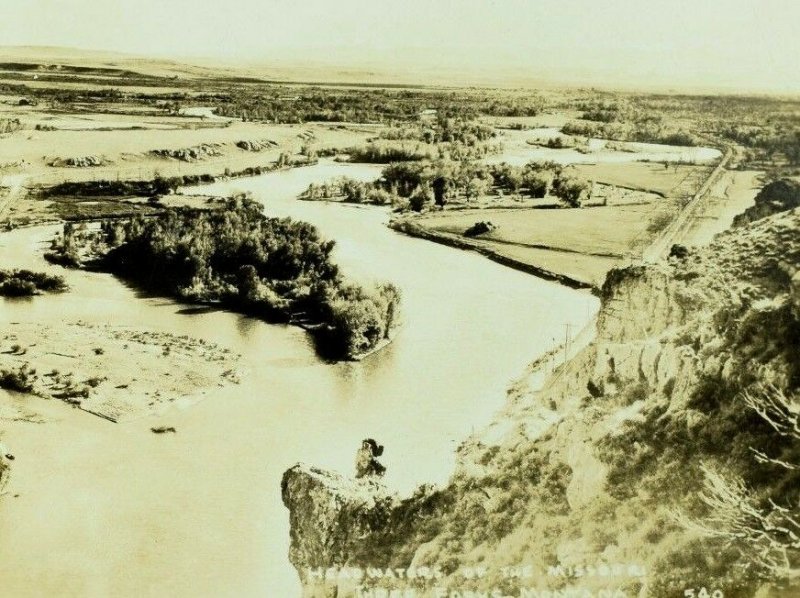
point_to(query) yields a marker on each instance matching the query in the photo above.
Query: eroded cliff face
(341, 526)
(590, 468)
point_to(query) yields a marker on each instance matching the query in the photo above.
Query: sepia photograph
(399, 299)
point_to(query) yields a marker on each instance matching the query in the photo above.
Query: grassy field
(582, 244)
(607, 231)
(676, 181)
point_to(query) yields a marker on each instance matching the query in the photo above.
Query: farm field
(675, 180)
(581, 244)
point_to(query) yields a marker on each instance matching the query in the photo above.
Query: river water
(114, 510)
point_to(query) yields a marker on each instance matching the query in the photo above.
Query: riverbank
(413, 226)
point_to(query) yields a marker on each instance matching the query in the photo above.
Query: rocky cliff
(599, 479)
(777, 196)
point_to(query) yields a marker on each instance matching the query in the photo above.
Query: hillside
(658, 460)
(87, 62)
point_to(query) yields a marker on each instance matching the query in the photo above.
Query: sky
(747, 44)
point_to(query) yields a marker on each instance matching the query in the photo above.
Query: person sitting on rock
(367, 464)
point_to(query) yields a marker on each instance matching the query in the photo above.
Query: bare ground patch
(115, 372)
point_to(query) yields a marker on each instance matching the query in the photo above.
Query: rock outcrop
(80, 162)
(777, 196)
(591, 468)
(340, 527)
(256, 145)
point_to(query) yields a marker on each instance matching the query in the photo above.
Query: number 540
(702, 593)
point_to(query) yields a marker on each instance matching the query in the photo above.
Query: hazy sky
(745, 43)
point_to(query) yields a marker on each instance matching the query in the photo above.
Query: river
(114, 510)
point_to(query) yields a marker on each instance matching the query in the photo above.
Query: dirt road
(677, 231)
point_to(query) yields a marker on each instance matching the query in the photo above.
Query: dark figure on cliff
(367, 464)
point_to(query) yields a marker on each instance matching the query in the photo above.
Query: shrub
(20, 380)
(24, 283)
(420, 199)
(570, 190)
(479, 228)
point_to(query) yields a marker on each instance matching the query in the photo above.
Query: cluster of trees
(470, 180)
(421, 184)
(349, 191)
(443, 130)
(66, 249)
(297, 105)
(108, 188)
(57, 96)
(770, 142)
(278, 269)
(160, 185)
(641, 131)
(538, 179)
(24, 283)
(602, 115)
(383, 152)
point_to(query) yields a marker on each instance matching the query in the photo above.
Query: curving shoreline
(409, 227)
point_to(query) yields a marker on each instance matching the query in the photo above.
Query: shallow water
(107, 509)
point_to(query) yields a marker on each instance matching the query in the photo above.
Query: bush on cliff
(777, 196)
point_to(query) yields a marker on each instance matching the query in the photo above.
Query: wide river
(113, 510)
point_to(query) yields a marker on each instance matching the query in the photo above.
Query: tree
(420, 198)
(441, 187)
(570, 190)
(767, 533)
(478, 186)
(248, 283)
(536, 183)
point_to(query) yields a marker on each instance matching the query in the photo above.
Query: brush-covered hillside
(661, 459)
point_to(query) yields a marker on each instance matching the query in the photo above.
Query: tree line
(422, 184)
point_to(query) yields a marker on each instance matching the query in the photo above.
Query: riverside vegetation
(236, 257)
(419, 185)
(24, 283)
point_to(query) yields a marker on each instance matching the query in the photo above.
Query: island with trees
(236, 257)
